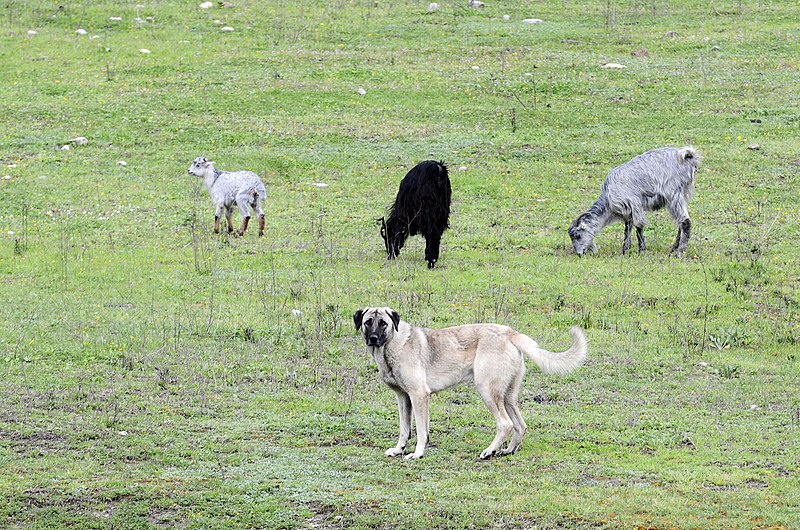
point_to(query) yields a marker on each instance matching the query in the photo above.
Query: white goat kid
(231, 188)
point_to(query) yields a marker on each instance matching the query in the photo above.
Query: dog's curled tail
(555, 362)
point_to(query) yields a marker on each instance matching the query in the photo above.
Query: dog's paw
(394, 451)
(487, 454)
(413, 456)
(508, 451)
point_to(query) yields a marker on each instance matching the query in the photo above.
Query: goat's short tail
(689, 155)
(555, 362)
(260, 194)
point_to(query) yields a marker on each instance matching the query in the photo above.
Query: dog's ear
(357, 318)
(395, 316)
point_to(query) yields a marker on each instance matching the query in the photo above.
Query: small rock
(361, 90)
(225, 5)
(716, 48)
(81, 31)
(319, 184)
(115, 19)
(144, 50)
(475, 3)
(754, 407)
(614, 65)
(754, 147)
(32, 32)
(532, 21)
(476, 68)
(671, 34)
(122, 163)
(506, 17)
(65, 148)
(433, 7)
(79, 140)
(206, 5)
(6, 177)
(226, 28)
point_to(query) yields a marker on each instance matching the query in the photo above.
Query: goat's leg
(217, 217)
(683, 237)
(677, 241)
(640, 238)
(245, 222)
(229, 218)
(259, 213)
(626, 241)
(432, 242)
(680, 213)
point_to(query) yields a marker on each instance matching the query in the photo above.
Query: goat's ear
(395, 316)
(357, 316)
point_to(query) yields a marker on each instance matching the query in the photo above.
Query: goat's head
(582, 235)
(394, 234)
(199, 166)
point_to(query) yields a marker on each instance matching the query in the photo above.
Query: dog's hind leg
(512, 408)
(404, 408)
(495, 403)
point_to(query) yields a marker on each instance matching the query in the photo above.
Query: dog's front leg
(420, 401)
(404, 408)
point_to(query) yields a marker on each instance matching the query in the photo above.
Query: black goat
(422, 207)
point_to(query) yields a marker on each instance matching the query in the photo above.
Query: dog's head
(377, 323)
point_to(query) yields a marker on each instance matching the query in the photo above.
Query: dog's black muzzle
(374, 340)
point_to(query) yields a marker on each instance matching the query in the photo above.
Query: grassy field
(156, 375)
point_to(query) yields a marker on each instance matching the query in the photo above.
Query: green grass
(154, 374)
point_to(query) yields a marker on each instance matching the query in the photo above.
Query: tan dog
(417, 362)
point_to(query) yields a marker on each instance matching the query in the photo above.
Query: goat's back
(425, 195)
(664, 171)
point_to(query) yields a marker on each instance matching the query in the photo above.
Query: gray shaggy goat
(659, 178)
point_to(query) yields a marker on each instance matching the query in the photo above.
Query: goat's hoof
(431, 264)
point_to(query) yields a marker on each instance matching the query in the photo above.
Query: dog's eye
(382, 324)
(368, 322)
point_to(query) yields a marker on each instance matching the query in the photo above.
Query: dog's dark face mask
(377, 325)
